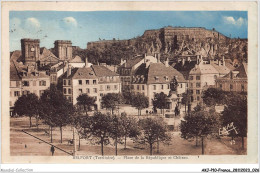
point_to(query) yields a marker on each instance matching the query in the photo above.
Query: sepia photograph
(127, 84)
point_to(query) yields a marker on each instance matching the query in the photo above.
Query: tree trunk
(30, 121)
(79, 144)
(37, 122)
(202, 145)
(196, 141)
(185, 107)
(243, 145)
(116, 146)
(102, 151)
(125, 141)
(112, 111)
(157, 145)
(151, 149)
(60, 134)
(51, 134)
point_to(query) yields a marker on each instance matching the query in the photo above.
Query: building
(30, 51)
(63, 49)
(151, 78)
(204, 75)
(94, 80)
(127, 67)
(15, 84)
(77, 62)
(47, 57)
(236, 80)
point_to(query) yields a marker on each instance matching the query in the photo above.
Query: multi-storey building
(127, 68)
(151, 78)
(63, 49)
(204, 75)
(96, 81)
(235, 81)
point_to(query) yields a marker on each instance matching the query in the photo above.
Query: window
(87, 82)
(88, 90)
(197, 85)
(162, 87)
(191, 85)
(80, 82)
(26, 92)
(34, 83)
(137, 87)
(42, 83)
(181, 85)
(142, 87)
(26, 83)
(166, 78)
(17, 83)
(95, 90)
(69, 98)
(101, 95)
(220, 86)
(94, 81)
(231, 86)
(64, 90)
(17, 93)
(191, 77)
(215, 76)
(64, 82)
(156, 78)
(132, 87)
(115, 87)
(108, 87)
(197, 91)
(242, 87)
(80, 91)
(101, 87)
(154, 87)
(198, 98)
(197, 77)
(69, 82)
(191, 91)
(69, 91)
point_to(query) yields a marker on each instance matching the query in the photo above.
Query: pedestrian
(52, 150)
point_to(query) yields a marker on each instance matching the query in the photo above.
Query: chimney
(167, 62)
(183, 61)
(223, 59)
(69, 71)
(158, 58)
(86, 62)
(198, 59)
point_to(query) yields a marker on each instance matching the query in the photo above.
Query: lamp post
(202, 144)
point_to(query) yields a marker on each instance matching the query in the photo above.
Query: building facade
(235, 81)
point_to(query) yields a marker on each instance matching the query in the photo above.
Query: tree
(86, 101)
(130, 128)
(28, 105)
(199, 123)
(116, 130)
(152, 131)
(213, 96)
(111, 101)
(236, 112)
(186, 99)
(61, 109)
(140, 102)
(160, 101)
(100, 129)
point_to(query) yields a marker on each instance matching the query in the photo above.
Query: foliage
(28, 105)
(111, 101)
(213, 96)
(160, 101)
(153, 130)
(59, 111)
(140, 102)
(236, 112)
(86, 101)
(198, 123)
(130, 128)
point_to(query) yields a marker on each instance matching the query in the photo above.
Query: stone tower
(30, 51)
(63, 49)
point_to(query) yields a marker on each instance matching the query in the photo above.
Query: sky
(83, 27)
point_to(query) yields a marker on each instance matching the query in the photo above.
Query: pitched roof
(47, 55)
(204, 69)
(16, 55)
(242, 71)
(82, 73)
(131, 62)
(157, 73)
(221, 69)
(14, 71)
(229, 64)
(101, 70)
(76, 59)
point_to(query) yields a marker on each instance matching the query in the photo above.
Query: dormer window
(156, 78)
(166, 78)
